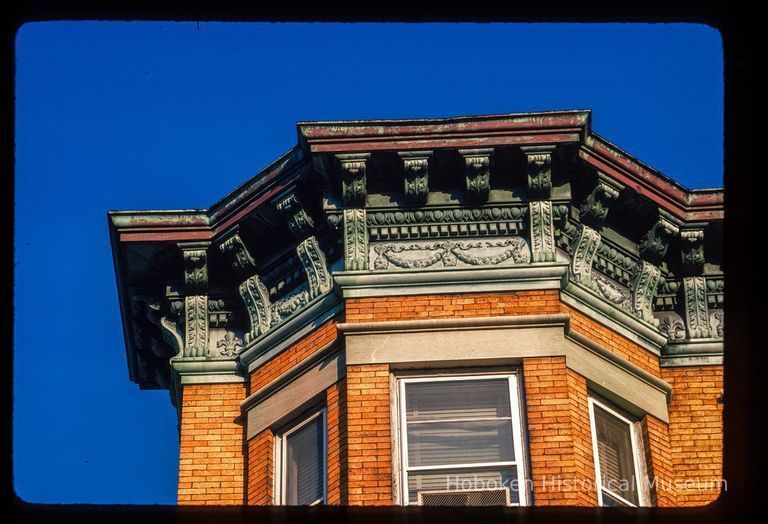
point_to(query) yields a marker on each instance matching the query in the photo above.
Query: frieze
(229, 346)
(419, 255)
(717, 323)
(614, 263)
(666, 296)
(715, 295)
(671, 325)
(613, 291)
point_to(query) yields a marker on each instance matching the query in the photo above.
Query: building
(502, 309)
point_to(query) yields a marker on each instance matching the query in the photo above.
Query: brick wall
(261, 450)
(696, 431)
(336, 400)
(452, 306)
(302, 349)
(211, 462)
(369, 439)
(557, 418)
(658, 462)
(559, 435)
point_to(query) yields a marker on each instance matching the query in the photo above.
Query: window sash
(515, 419)
(635, 448)
(281, 454)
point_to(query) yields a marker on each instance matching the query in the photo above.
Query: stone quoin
(487, 310)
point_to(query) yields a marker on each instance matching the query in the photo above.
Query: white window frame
(279, 462)
(517, 432)
(638, 454)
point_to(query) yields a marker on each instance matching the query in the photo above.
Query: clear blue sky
(169, 115)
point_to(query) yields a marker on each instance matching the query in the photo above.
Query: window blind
(304, 464)
(615, 455)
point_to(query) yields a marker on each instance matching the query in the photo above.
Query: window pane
(457, 399)
(304, 464)
(472, 442)
(610, 501)
(615, 453)
(463, 479)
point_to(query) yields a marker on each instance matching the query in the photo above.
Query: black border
(743, 397)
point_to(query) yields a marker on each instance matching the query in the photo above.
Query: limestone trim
(461, 342)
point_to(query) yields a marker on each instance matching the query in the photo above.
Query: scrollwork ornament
(315, 267)
(645, 284)
(416, 169)
(696, 313)
(353, 169)
(477, 173)
(583, 253)
(355, 240)
(542, 231)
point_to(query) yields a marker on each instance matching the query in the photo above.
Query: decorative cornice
(415, 175)
(594, 209)
(315, 267)
(238, 255)
(622, 322)
(655, 242)
(477, 173)
(353, 169)
(459, 280)
(539, 171)
(290, 207)
(692, 248)
(542, 231)
(355, 240)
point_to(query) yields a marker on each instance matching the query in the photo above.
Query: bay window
(461, 434)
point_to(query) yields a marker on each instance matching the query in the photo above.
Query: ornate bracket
(477, 173)
(645, 284)
(353, 169)
(692, 248)
(255, 296)
(542, 231)
(195, 256)
(583, 253)
(234, 249)
(594, 209)
(696, 311)
(655, 242)
(252, 291)
(539, 170)
(289, 206)
(315, 267)
(355, 240)
(416, 168)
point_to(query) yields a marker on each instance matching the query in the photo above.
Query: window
(461, 433)
(619, 464)
(300, 462)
